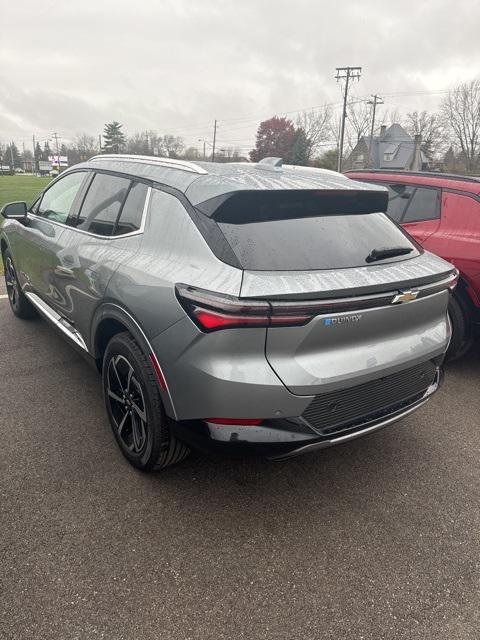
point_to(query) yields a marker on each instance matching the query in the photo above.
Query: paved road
(377, 539)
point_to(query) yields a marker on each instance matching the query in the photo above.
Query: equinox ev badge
(405, 296)
(329, 322)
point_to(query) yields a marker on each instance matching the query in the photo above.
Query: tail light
(212, 311)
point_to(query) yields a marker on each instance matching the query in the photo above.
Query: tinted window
(321, 242)
(102, 204)
(132, 212)
(398, 198)
(57, 201)
(424, 205)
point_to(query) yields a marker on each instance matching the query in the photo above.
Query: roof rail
(430, 174)
(183, 165)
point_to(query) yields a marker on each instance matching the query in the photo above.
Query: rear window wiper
(387, 252)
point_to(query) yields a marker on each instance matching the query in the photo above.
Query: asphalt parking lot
(379, 538)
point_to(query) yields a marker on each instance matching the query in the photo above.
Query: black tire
(134, 407)
(19, 303)
(462, 326)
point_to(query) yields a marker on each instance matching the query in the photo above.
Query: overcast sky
(173, 66)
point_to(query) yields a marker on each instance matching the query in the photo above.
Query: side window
(102, 204)
(398, 198)
(132, 212)
(424, 205)
(57, 201)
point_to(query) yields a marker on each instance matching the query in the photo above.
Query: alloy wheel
(11, 281)
(127, 404)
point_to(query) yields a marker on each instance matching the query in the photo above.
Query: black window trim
(80, 197)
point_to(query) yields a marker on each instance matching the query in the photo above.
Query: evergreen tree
(113, 138)
(300, 149)
(328, 160)
(11, 156)
(38, 155)
(46, 151)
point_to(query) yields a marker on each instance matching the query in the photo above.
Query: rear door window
(132, 212)
(398, 198)
(423, 205)
(102, 204)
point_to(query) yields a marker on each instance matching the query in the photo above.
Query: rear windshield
(324, 242)
(309, 234)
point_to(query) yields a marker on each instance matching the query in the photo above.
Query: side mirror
(14, 210)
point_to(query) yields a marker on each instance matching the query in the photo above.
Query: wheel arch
(3, 244)
(111, 319)
(468, 292)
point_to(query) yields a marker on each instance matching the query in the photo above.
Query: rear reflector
(160, 377)
(249, 422)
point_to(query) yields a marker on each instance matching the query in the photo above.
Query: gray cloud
(175, 65)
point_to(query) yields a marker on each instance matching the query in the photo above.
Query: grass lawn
(25, 188)
(21, 187)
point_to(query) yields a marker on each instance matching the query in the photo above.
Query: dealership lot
(375, 539)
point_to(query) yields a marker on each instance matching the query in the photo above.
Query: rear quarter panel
(172, 251)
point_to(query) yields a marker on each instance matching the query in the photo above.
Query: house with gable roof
(393, 148)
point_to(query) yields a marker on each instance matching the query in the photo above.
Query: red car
(442, 212)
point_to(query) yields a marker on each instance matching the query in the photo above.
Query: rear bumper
(287, 438)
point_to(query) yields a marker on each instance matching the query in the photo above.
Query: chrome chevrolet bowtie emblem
(405, 296)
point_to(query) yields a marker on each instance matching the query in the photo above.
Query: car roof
(200, 181)
(470, 184)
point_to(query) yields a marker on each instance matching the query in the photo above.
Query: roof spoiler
(240, 207)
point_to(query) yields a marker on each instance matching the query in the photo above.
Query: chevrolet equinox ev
(232, 307)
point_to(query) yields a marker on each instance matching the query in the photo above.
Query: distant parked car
(236, 307)
(442, 212)
(19, 170)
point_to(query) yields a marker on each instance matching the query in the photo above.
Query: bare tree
(461, 114)
(171, 146)
(86, 145)
(359, 121)
(317, 127)
(138, 143)
(430, 127)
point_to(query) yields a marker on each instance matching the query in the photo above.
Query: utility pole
(11, 156)
(347, 74)
(214, 140)
(99, 143)
(376, 100)
(23, 155)
(34, 168)
(55, 136)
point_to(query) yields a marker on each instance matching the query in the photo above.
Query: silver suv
(235, 307)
